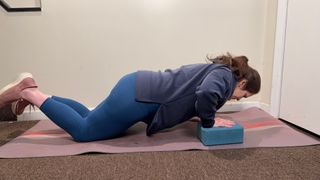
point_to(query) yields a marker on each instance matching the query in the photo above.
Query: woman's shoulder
(208, 67)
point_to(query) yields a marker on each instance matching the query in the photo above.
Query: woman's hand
(219, 122)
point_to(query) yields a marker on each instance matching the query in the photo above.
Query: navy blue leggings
(109, 119)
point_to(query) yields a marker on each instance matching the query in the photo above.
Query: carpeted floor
(256, 163)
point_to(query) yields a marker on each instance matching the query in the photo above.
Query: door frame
(278, 57)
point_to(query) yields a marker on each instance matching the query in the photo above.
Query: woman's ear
(242, 83)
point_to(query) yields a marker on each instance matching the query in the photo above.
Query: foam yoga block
(220, 135)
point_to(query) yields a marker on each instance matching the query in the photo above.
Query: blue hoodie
(191, 90)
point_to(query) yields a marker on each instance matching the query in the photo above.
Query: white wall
(80, 48)
(268, 50)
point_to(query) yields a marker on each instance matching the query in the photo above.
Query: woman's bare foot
(34, 96)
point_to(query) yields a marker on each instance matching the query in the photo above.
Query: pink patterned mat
(261, 130)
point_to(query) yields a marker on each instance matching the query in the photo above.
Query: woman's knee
(81, 134)
(81, 137)
(88, 134)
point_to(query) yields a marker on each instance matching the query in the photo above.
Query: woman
(160, 99)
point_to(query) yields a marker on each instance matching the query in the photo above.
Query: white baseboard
(230, 106)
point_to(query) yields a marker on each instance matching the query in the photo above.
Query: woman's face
(239, 91)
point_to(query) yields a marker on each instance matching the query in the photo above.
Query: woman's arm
(209, 93)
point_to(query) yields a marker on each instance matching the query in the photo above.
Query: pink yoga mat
(261, 130)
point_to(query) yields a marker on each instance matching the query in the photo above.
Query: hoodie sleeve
(209, 93)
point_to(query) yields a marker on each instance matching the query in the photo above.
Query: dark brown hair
(241, 70)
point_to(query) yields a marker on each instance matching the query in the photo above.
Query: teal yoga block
(220, 135)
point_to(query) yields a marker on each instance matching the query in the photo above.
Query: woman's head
(248, 79)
